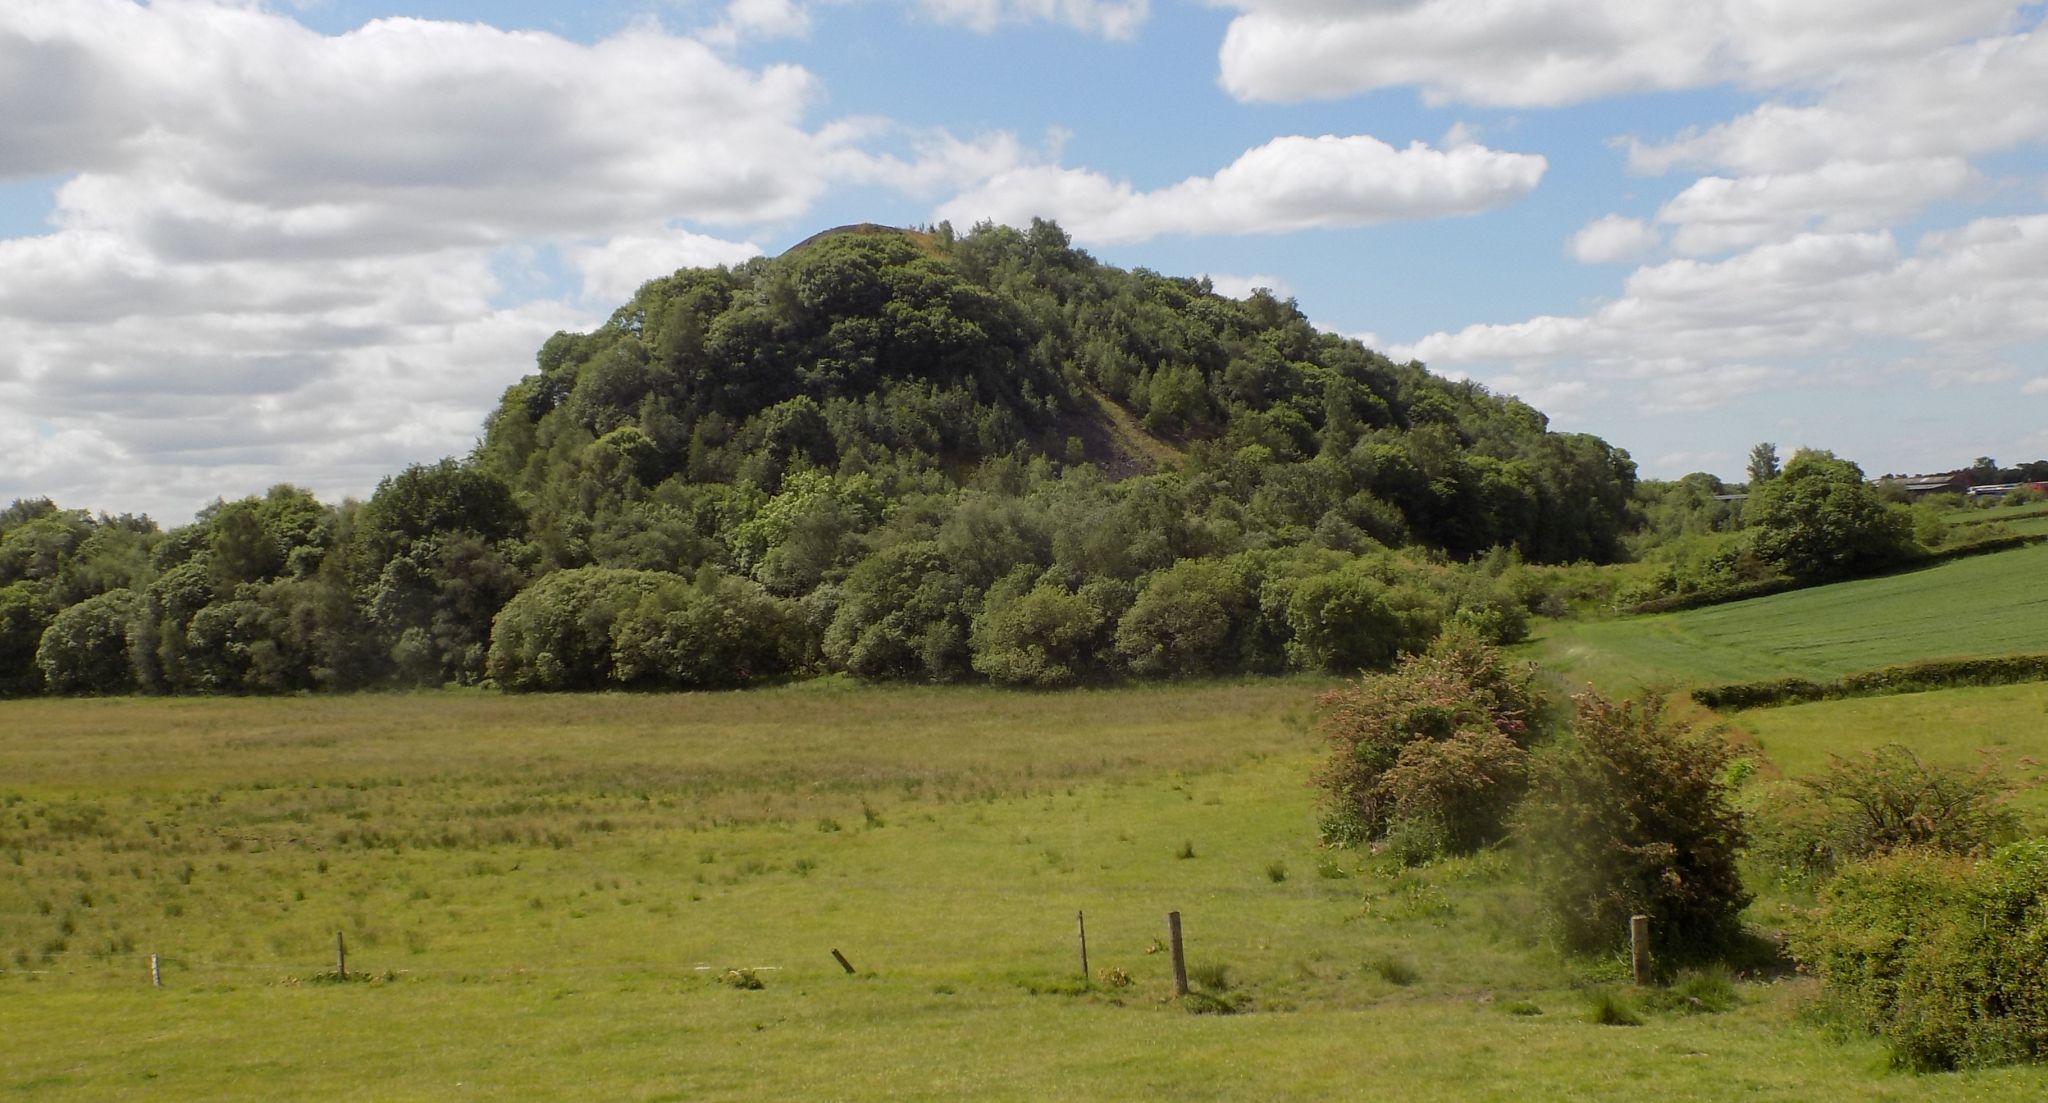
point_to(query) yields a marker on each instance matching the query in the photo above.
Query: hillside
(897, 454)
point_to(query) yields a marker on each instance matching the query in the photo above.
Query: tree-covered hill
(900, 454)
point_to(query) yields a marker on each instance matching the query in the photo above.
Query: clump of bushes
(1632, 814)
(1881, 801)
(1434, 753)
(1940, 955)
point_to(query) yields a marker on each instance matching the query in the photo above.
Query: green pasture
(1987, 605)
(565, 898)
(2003, 725)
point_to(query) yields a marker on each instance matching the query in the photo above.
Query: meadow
(636, 897)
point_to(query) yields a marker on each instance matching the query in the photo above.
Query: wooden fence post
(1639, 946)
(156, 972)
(1081, 922)
(1180, 961)
(843, 963)
(340, 957)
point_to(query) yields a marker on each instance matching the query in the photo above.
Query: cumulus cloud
(1689, 333)
(1290, 183)
(1968, 98)
(759, 19)
(1717, 214)
(1613, 238)
(279, 254)
(1108, 18)
(1530, 53)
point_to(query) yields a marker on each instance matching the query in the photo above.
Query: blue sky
(310, 241)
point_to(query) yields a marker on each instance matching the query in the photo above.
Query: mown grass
(548, 894)
(1989, 605)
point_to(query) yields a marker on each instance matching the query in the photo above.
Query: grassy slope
(555, 885)
(1991, 604)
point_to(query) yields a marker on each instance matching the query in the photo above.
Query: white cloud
(614, 269)
(1613, 238)
(1553, 52)
(1108, 18)
(277, 254)
(1716, 214)
(759, 19)
(1290, 183)
(1970, 98)
(1689, 333)
(2036, 385)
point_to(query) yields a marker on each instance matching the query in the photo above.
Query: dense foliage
(898, 454)
(1632, 814)
(1431, 756)
(1938, 954)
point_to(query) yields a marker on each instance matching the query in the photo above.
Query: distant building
(1953, 482)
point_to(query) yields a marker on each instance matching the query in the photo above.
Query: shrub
(1940, 955)
(1885, 800)
(1439, 746)
(1631, 815)
(1046, 635)
(85, 648)
(713, 631)
(557, 633)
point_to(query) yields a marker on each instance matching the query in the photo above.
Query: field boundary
(1917, 677)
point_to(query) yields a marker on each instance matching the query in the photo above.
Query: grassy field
(549, 898)
(1988, 605)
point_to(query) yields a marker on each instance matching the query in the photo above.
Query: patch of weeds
(1186, 851)
(1708, 991)
(827, 824)
(1606, 1007)
(1330, 869)
(745, 980)
(873, 818)
(802, 867)
(1211, 976)
(1521, 1007)
(1208, 1003)
(1393, 970)
(1114, 976)
(1276, 872)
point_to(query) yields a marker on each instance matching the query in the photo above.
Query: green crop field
(574, 897)
(1987, 605)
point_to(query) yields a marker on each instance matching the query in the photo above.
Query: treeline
(898, 455)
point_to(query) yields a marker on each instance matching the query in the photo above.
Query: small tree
(1763, 464)
(1435, 751)
(1632, 815)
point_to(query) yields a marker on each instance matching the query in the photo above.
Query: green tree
(1819, 520)
(1763, 464)
(85, 648)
